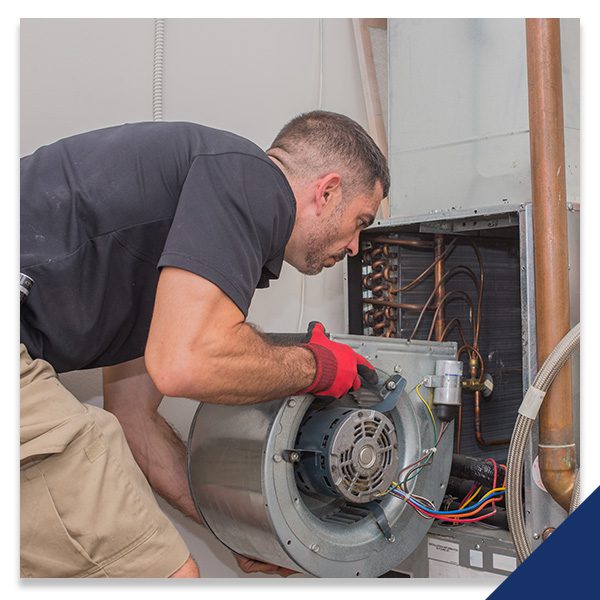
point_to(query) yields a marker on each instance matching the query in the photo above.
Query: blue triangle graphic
(565, 564)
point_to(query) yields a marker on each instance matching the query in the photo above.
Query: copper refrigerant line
(382, 282)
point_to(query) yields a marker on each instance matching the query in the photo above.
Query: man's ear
(327, 187)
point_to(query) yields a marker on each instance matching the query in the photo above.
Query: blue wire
(448, 512)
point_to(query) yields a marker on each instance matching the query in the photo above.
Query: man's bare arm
(200, 347)
(161, 455)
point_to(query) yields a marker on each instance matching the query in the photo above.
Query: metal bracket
(390, 393)
(295, 455)
(381, 519)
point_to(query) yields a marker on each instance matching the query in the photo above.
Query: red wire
(495, 477)
(457, 519)
(461, 519)
(468, 495)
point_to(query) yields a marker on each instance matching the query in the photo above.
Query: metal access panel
(468, 552)
(458, 113)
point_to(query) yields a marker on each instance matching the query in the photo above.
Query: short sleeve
(234, 217)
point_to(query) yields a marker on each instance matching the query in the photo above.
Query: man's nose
(352, 247)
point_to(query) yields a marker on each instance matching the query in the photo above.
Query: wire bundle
(469, 510)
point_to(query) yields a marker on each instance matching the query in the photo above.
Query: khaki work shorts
(86, 507)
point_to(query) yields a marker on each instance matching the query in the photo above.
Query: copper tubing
(446, 298)
(478, 434)
(401, 305)
(426, 272)
(455, 271)
(448, 328)
(415, 243)
(556, 437)
(447, 275)
(438, 273)
(480, 292)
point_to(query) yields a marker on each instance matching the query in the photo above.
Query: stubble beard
(317, 245)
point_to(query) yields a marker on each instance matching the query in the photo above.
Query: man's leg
(86, 508)
(189, 569)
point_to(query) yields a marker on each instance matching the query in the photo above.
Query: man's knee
(188, 569)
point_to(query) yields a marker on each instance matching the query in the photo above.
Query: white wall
(248, 76)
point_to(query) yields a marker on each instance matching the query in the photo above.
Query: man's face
(336, 231)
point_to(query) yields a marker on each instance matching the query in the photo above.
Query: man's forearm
(241, 366)
(132, 397)
(161, 455)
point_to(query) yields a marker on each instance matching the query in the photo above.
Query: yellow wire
(428, 408)
(498, 489)
(471, 498)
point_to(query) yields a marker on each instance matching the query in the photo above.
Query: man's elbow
(173, 378)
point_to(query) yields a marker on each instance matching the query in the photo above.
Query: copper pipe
(438, 273)
(446, 276)
(403, 306)
(445, 299)
(478, 433)
(390, 313)
(411, 243)
(448, 328)
(387, 274)
(480, 292)
(449, 274)
(426, 272)
(548, 183)
(379, 288)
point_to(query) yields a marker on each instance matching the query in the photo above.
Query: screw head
(314, 547)
(277, 458)
(397, 369)
(294, 456)
(291, 403)
(390, 385)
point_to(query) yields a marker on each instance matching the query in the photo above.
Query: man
(145, 243)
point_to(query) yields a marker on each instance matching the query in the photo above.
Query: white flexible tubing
(319, 106)
(157, 69)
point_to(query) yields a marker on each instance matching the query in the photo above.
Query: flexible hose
(157, 70)
(576, 497)
(525, 419)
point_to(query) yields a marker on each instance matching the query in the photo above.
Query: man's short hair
(318, 142)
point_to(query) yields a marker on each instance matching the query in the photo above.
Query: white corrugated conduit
(319, 106)
(157, 70)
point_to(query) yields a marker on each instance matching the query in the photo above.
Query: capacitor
(447, 390)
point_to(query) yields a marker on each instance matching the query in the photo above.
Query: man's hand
(338, 366)
(249, 565)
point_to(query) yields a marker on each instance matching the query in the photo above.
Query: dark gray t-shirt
(102, 211)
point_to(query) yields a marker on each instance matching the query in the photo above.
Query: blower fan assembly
(303, 482)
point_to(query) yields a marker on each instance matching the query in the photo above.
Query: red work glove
(338, 366)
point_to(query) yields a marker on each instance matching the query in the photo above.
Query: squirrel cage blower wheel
(302, 482)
